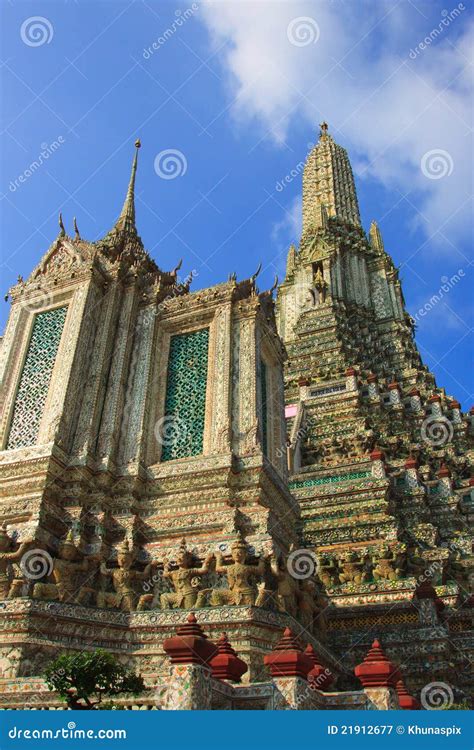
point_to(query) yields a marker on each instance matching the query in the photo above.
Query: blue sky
(238, 89)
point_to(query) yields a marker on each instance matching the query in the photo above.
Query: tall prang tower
(379, 455)
(150, 487)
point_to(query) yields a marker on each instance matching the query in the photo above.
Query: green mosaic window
(35, 377)
(329, 480)
(185, 401)
(264, 410)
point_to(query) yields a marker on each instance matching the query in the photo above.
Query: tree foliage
(84, 679)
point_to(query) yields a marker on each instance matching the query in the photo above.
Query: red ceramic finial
(443, 472)
(191, 627)
(226, 665)
(377, 455)
(190, 645)
(406, 701)
(376, 670)
(320, 677)
(223, 645)
(287, 658)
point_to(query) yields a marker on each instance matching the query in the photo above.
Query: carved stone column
(111, 415)
(415, 401)
(136, 392)
(444, 481)
(374, 394)
(395, 399)
(220, 432)
(378, 464)
(351, 379)
(411, 473)
(87, 424)
(247, 435)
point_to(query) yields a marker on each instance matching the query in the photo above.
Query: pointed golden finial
(324, 128)
(62, 231)
(126, 220)
(290, 260)
(375, 237)
(77, 236)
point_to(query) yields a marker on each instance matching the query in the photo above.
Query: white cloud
(386, 108)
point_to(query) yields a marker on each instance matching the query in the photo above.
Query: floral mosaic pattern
(328, 480)
(264, 413)
(35, 377)
(185, 401)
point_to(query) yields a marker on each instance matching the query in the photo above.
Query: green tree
(83, 680)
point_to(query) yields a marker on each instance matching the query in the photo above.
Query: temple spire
(375, 237)
(126, 220)
(328, 184)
